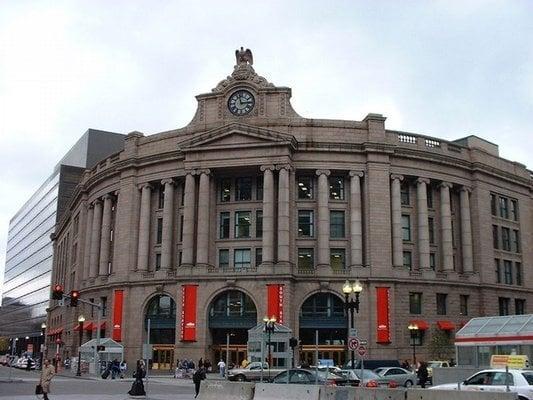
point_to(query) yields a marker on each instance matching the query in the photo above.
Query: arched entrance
(161, 311)
(325, 313)
(231, 314)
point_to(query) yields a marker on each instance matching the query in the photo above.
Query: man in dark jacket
(197, 378)
(422, 374)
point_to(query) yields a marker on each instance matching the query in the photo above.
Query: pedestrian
(197, 378)
(422, 374)
(137, 388)
(222, 367)
(405, 365)
(123, 369)
(29, 363)
(47, 374)
(207, 366)
(200, 362)
(115, 368)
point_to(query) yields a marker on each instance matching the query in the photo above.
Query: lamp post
(43, 330)
(413, 329)
(270, 326)
(228, 335)
(351, 304)
(81, 320)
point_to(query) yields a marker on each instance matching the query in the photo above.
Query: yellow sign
(511, 361)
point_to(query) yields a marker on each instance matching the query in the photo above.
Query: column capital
(96, 202)
(168, 181)
(326, 172)
(107, 196)
(467, 189)
(191, 172)
(287, 167)
(445, 184)
(267, 167)
(205, 171)
(420, 180)
(144, 185)
(396, 177)
(360, 174)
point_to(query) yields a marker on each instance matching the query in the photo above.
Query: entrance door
(237, 353)
(163, 358)
(335, 353)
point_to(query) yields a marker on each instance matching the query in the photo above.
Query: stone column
(356, 227)
(466, 230)
(283, 214)
(95, 238)
(187, 246)
(168, 224)
(88, 238)
(105, 235)
(396, 218)
(143, 249)
(446, 227)
(323, 218)
(268, 214)
(423, 224)
(202, 242)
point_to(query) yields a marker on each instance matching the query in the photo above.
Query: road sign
(353, 343)
(147, 351)
(363, 342)
(361, 351)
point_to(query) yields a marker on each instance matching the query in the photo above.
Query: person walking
(47, 374)
(422, 374)
(115, 368)
(123, 369)
(222, 368)
(137, 388)
(197, 378)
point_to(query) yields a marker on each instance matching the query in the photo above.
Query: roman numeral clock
(241, 102)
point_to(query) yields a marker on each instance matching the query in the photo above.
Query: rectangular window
(259, 188)
(516, 241)
(182, 188)
(305, 187)
(161, 197)
(495, 239)
(508, 272)
(504, 208)
(241, 259)
(243, 189)
(404, 194)
(159, 235)
(415, 303)
(225, 190)
(103, 303)
(224, 225)
(157, 261)
(305, 223)
(181, 228)
(76, 224)
(498, 271)
(242, 224)
(493, 204)
(337, 259)
(518, 273)
(336, 188)
(223, 258)
(514, 210)
(408, 259)
(506, 239)
(406, 228)
(431, 228)
(306, 259)
(259, 224)
(336, 227)
(430, 197)
(432, 261)
(519, 306)
(503, 305)
(441, 303)
(74, 253)
(463, 304)
(258, 256)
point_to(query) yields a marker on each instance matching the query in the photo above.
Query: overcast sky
(445, 68)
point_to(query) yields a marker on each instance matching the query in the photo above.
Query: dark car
(310, 377)
(373, 364)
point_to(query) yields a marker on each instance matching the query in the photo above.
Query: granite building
(252, 210)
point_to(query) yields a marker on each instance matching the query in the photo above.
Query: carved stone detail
(242, 72)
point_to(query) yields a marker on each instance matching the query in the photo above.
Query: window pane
(305, 187)
(431, 231)
(406, 228)
(338, 259)
(161, 199)
(504, 210)
(415, 303)
(259, 188)
(493, 204)
(336, 224)
(441, 303)
(258, 256)
(506, 240)
(336, 188)
(259, 224)
(223, 258)
(404, 192)
(516, 241)
(224, 225)
(225, 190)
(306, 259)
(157, 262)
(518, 273)
(430, 197)
(514, 210)
(242, 258)
(159, 235)
(305, 223)
(407, 259)
(463, 304)
(243, 189)
(507, 269)
(498, 271)
(495, 239)
(432, 261)
(242, 224)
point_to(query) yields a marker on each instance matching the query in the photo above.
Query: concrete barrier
(453, 374)
(352, 393)
(279, 391)
(224, 390)
(425, 394)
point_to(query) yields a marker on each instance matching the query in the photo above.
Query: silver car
(401, 376)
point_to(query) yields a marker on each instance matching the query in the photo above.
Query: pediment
(237, 135)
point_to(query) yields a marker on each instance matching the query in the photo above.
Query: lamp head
(265, 319)
(27, 337)
(357, 287)
(347, 288)
(273, 319)
(43, 325)
(81, 318)
(413, 327)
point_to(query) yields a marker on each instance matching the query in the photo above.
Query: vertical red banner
(118, 302)
(188, 312)
(275, 302)
(383, 317)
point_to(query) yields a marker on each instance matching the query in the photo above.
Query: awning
(88, 326)
(446, 325)
(102, 325)
(422, 325)
(59, 331)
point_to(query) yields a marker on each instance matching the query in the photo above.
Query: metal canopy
(513, 327)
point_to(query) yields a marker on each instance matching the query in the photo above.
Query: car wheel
(408, 384)
(240, 378)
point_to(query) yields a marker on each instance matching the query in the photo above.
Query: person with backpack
(197, 378)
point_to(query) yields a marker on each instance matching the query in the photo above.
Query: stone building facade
(252, 210)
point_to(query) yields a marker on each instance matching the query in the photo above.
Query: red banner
(275, 302)
(383, 317)
(188, 313)
(118, 301)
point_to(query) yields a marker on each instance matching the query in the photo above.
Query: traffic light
(57, 293)
(293, 342)
(74, 296)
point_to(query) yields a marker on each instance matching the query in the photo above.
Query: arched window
(323, 305)
(233, 303)
(161, 311)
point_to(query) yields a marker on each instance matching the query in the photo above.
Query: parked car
(310, 377)
(496, 380)
(369, 378)
(401, 376)
(22, 363)
(252, 372)
(372, 364)
(436, 364)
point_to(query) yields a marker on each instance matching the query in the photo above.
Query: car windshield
(434, 364)
(529, 377)
(367, 374)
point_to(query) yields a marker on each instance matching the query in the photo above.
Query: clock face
(241, 102)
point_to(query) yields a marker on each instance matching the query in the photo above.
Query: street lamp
(81, 320)
(270, 326)
(351, 305)
(413, 329)
(43, 330)
(228, 335)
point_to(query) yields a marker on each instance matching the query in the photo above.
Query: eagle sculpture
(244, 56)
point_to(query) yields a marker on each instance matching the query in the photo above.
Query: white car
(496, 380)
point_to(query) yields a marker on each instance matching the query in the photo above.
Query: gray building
(29, 253)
